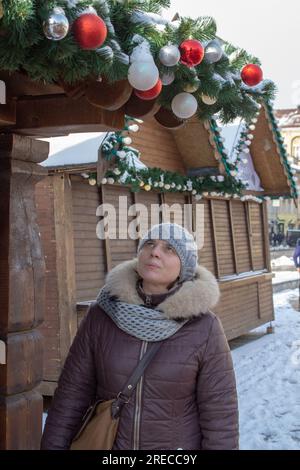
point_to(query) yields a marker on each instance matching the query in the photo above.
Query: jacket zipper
(138, 404)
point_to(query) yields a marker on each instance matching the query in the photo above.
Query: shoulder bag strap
(128, 389)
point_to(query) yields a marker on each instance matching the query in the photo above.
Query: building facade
(284, 214)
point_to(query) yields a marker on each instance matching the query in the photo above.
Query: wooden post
(215, 240)
(65, 262)
(266, 236)
(22, 292)
(249, 231)
(229, 203)
(106, 240)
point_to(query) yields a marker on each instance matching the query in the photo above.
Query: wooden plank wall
(245, 304)
(164, 154)
(257, 235)
(241, 237)
(50, 328)
(123, 249)
(90, 259)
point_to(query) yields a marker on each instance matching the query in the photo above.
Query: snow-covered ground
(268, 381)
(282, 276)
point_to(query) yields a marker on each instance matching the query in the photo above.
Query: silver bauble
(213, 52)
(169, 55)
(167, 78)
(56, 27)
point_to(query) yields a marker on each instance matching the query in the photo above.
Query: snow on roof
(74, 149)
(288, 117)
(231, 135)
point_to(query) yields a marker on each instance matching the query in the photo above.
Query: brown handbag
(99, 425)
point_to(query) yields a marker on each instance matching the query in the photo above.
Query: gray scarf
(144, 323)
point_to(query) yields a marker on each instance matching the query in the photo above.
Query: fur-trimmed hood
(192, 299)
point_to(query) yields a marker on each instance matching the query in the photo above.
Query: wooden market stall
(235, 248)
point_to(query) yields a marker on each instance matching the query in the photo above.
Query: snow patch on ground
(268, 381)
(282, 276)
(282, 261)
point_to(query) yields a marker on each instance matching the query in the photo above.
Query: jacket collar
(191, 300)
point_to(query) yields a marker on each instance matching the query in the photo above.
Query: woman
(187, 397)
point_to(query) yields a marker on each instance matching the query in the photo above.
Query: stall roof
(270, 157)
(210, 154)
(74, 149)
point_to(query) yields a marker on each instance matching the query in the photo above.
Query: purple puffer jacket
(187, 398)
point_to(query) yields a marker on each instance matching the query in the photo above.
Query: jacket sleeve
(217, 395)
(296, 257)
(75, 391)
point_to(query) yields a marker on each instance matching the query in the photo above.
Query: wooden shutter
(256, 235)
(223, 237)
(90, 263)
(241, 236)
(207, 254)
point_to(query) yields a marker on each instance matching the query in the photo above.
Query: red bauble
(150, 94)
(252, 74)
(191, 52)
(90, 31)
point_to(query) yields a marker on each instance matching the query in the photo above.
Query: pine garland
(24, 47)
(113, 147)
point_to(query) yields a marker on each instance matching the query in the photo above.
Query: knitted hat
(182, 242)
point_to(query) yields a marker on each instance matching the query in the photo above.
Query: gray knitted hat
(182, 241)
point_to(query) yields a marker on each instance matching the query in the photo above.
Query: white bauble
(133, 128)
(92, 181)
(169, 55)
(143, 75)
(184, 105)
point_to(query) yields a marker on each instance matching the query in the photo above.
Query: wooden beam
(22, 293)
(215, 241)
(232, 237)
(108, 257)
(65, 262)
(19, 84)
(8, 114)
(58, 114)
(205, 171)
(266, 236)
(249, 232)
(229, 284)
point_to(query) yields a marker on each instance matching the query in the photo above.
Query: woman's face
(158, 263)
